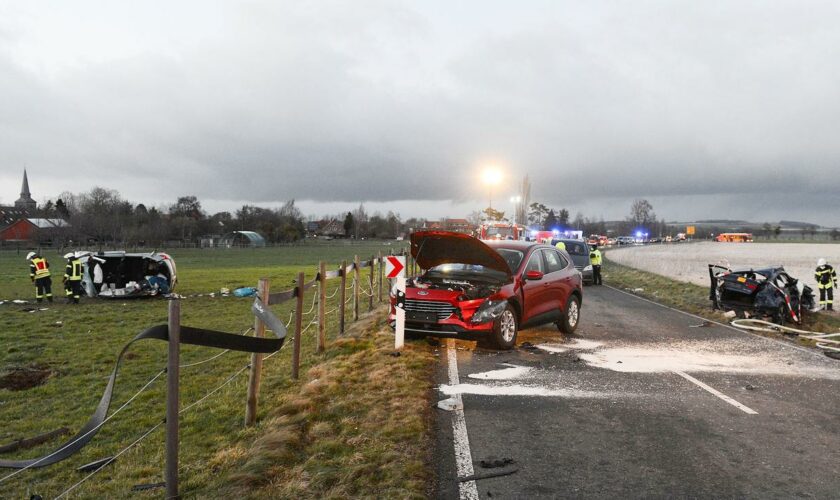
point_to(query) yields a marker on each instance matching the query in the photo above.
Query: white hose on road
(825, 341)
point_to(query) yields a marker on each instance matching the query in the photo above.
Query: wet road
(640, 403)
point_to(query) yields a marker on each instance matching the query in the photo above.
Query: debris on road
(487, 475)
(704, 324)
(450, 404)
(495, 463)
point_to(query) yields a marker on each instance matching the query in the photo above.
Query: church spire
(24, 189)
(25, 201)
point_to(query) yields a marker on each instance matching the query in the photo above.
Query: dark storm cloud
(724, 103)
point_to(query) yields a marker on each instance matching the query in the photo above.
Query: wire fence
(317, 314)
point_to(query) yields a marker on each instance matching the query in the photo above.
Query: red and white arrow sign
(395, 266)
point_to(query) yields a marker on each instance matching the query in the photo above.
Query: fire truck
(501, 231)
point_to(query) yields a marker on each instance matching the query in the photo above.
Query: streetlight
(516, 200)
(491, 176)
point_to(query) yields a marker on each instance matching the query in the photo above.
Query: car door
(567, 280)
(555, 264)
(535, 292)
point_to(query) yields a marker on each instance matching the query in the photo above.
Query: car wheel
(571, 316)
(505, 329)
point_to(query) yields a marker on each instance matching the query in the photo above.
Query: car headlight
(489, 311)
(588, 268)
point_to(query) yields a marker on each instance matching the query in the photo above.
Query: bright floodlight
(492, 176)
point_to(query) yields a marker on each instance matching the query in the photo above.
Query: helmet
(30, 255)
(594, 246)
(820, 262)
(69, 255)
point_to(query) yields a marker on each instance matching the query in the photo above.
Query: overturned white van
(121, 275)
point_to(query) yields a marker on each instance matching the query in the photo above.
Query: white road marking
(463, 456)
(712, 390)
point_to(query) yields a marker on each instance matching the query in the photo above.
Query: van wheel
(505, 329)
(571, 316)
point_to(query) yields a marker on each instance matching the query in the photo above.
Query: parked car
(127, 275)
(579, 252)
(625, 240)
(763, 292)
(488, 291)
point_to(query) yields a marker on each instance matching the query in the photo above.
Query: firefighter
(73, 278)
(826, 282)
(39, 273)
(595, 260)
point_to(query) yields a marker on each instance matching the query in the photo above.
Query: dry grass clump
(357, 427)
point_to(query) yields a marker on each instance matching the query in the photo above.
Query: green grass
(81, 351)
(691, 298)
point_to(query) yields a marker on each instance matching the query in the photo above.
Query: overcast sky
(708, 109)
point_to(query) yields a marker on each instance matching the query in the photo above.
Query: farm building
(243, 239)
(33, 230)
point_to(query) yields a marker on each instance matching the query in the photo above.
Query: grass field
(337, 431)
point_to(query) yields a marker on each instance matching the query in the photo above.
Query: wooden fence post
(370, 281)
(322, 306)
(343, 295)
(356, 282)
(256, 361)
(172, 403)
(380, 275)
(299, 291)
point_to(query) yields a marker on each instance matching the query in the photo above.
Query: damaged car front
(769, 292)
(487, 291)
(461, 292)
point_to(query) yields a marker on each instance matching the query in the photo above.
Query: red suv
(488, 291)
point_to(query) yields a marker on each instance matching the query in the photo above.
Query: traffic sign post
(395, 266)
(399, 331)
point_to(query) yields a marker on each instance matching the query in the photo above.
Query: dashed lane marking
(712, 390)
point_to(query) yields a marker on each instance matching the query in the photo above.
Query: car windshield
(512, 257)
(575, 248)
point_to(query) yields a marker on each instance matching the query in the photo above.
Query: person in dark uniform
(39, 273)
(73, 278)
(826, 281)
(595, 260)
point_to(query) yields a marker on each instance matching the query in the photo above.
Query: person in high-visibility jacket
(560, 245)
(595, 260)
(73, 278)
(39, 273)
(826, 282)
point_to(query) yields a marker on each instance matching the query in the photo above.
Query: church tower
(25, 201)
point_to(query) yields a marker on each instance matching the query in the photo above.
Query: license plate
(421, 316)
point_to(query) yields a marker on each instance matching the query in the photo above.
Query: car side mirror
(534, 275)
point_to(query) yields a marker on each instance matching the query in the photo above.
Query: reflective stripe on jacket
(826, 276)
(595, 257)
(73, 271)
(39, 268)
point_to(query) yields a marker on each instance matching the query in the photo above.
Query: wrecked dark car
(769, 292)
(488, 290)
(121, 275)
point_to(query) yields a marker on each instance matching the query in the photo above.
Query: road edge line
(744, 408)
(467, 490)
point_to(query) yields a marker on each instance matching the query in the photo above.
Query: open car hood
(433, 248)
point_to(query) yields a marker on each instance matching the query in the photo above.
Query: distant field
(688, 262)
(78, 345)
